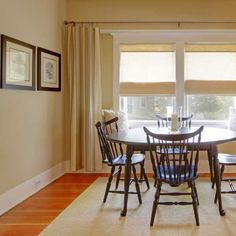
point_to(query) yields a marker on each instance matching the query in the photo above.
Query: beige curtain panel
(84, 95)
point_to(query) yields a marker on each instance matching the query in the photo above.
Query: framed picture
(18, 64)
(49, 70)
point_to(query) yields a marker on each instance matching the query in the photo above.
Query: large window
(210, 75)
(197, 71)
(147, 79)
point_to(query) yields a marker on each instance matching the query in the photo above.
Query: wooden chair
(226, 160)
(115, 160)
(111, 126)
(175, 168)
(186, 121)
(163, 122)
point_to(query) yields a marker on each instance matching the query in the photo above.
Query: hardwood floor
(30, 217)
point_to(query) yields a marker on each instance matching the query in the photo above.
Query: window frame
(177, 37)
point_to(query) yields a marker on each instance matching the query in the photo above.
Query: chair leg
(155, 202)
(187, 162)
(195, 189)
(109, 184)
(144, 175)
(155, 183)
(155, 180)
(141, 172)
(137, 184)
(118, 177)
(221, 177)
(141, 169)
(195, 202)
(216, 197)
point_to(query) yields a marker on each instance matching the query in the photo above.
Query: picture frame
(18, 64)
(49, 70)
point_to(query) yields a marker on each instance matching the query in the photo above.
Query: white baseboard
(19, 193)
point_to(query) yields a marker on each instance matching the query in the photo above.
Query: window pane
(146, 107)
(204, 107)
(147, 66)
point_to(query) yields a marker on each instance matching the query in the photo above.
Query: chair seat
(227, 159)
(121, 160)
(168, 174)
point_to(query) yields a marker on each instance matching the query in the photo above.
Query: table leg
(210, 160)
(129, 153)
(214, 153)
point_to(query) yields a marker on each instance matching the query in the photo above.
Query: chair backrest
(107, 148)
(177, 162)
(110, 127)
(186, 121)
(162, 121)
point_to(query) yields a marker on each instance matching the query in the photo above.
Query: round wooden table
(135, 140)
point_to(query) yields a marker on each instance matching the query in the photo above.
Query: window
(147, 79)
(210, 75)
(192, 69)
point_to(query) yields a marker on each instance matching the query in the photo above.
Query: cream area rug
(87, 215)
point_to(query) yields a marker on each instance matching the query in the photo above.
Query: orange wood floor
(30, 217)
(35, 213)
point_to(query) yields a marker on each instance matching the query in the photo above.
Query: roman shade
(139, 78)
(210, 68)
(147, 47)
(142, 89)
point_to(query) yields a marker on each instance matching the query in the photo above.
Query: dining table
(135, 140)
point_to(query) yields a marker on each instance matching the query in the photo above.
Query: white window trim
(179, 38)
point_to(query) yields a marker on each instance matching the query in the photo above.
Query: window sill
(209, 123)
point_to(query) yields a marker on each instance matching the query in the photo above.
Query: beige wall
(148, 10)
(154, 10)
(31, 122)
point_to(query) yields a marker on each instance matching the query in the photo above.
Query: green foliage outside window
(210, 107)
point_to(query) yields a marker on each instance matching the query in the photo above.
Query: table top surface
(137, 135)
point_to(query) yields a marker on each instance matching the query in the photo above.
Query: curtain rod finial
(69, 22)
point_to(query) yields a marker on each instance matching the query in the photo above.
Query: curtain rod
(149, 22)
